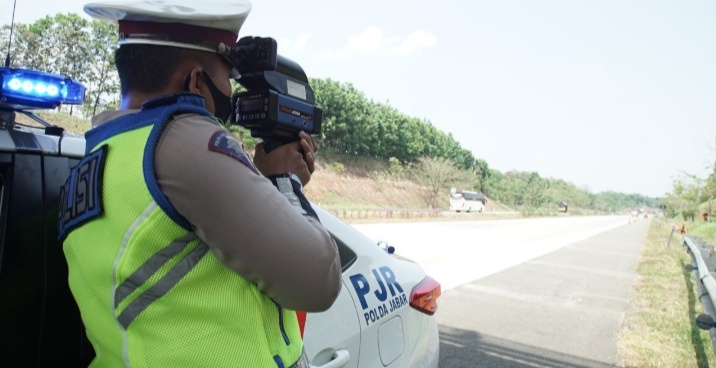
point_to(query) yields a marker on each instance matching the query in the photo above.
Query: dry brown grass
(349, 191)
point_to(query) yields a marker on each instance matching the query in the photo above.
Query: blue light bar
(30, 89)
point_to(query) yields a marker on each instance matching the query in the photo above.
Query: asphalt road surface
(526, 293)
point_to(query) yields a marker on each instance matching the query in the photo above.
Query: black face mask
(222, 102)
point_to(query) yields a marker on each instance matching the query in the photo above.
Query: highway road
(545, 292)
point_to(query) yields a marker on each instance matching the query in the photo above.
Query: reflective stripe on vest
(141, 275)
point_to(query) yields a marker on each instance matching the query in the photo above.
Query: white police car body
(383, 315)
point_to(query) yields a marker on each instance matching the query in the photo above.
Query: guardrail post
(673, 228)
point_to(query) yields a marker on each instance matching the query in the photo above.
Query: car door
(332, 338)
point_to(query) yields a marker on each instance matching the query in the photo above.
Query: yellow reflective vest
(150, 292)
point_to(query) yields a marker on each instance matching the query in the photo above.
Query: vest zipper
(280, 324)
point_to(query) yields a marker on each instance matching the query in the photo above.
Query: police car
(383, 316)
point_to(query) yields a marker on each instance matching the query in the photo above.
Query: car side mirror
(386, 247)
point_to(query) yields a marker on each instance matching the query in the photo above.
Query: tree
(436, 174)
(482, 171)
(686, 196)
(710, 189)
(535, 190)
(28, 49)
(72, 41)
(72, 46)
(396, 168)
(101, 74)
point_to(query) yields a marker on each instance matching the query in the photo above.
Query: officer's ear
(193, 81)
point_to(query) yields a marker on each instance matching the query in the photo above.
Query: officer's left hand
(289, 158)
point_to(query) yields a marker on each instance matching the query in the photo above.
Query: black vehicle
(40, 323)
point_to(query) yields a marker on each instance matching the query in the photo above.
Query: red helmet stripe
(177, 30)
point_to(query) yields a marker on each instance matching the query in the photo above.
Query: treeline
(355, 125)
(692, 196)
(72, 46)
(83, 50)
(530, 192)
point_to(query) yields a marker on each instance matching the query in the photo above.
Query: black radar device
(278, 102)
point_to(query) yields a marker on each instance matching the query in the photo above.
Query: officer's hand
(288, 158)
(310, 148)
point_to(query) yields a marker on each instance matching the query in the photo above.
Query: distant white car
(467, 201)
(383, 316)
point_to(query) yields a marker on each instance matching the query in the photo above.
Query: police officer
(182, 251)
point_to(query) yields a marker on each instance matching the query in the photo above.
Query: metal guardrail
(703, 261)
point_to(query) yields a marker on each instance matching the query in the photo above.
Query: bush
(396, 168)
(336, 167)
(529, 211)
(688, 214)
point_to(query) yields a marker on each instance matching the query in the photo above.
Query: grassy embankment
(660, 329)
(363, 191)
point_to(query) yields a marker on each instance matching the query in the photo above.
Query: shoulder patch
(223, 142)
(81, 196)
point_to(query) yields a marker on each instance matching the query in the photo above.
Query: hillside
(361, 189)
(354, 198)
(351, 187)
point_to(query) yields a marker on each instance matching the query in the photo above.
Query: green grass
(704, 230)
(660, 330)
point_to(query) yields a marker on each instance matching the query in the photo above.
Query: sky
(610, 95)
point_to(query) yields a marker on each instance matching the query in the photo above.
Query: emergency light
(24, 89)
